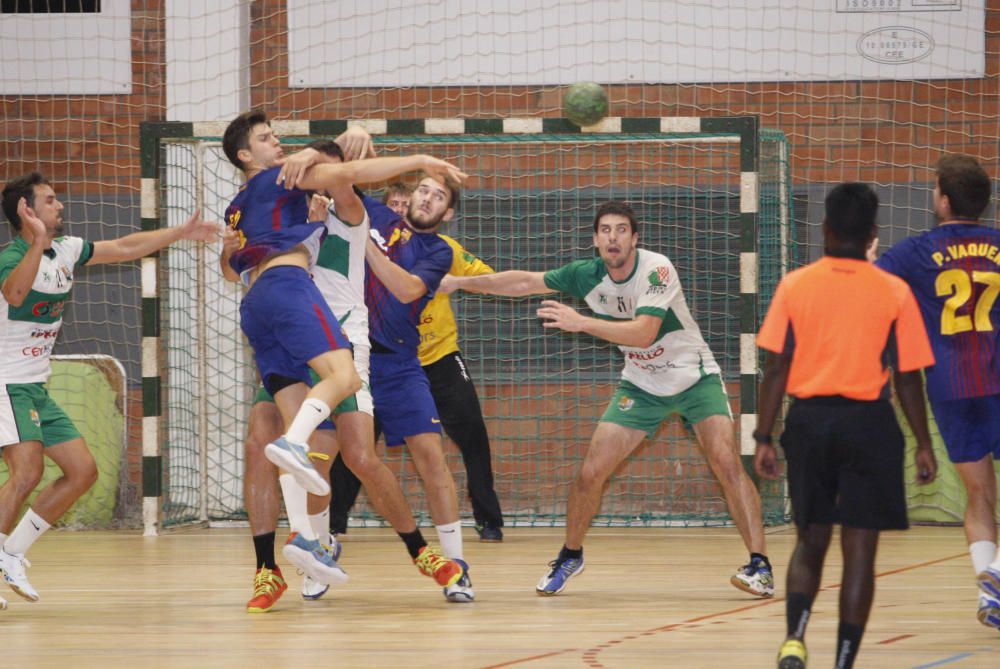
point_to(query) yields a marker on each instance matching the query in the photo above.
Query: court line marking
(947, 660)
(590, 654)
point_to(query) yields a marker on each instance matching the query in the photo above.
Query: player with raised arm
(637, 298)
(832, 331)
(406, 261)
(36, 273)
(954, 274)
(284, 316)
(339, 274)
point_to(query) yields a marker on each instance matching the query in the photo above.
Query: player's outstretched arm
(772, 392)
(18, 283)
(513, 283)
(910, 391)
(328, 177)
(140, 244)
(639, 332)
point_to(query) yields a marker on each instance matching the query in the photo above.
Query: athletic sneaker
(792, 655)
(989, 582)
(755, 577)
(313, 589)
(489, 534)
(294, 458)
(3, 603)
(314, 559)
(461, 591)
(560, 571)
(268, 587)
(989, 611)
(12, 567)
(430, 563)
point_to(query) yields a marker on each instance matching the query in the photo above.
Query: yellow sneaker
(268, 587)
(431, 563)
(792, 655)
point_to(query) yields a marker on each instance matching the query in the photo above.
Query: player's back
(269, 220)
(954, 272)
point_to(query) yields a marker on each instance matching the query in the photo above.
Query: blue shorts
(288, 323)
(404, 405)
(970, 428)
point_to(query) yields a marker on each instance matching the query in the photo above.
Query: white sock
(450, 536)
(982, 552)
(26, 533)
(310, 415)
(296, 501)
(320, 524)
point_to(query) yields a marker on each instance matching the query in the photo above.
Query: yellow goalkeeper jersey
(438, 331)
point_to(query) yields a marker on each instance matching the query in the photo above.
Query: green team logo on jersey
(659, 276)
(468, 257)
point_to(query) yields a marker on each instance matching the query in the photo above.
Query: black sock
(570, 554)
(414, 542)
(797, 608)
(761, 557)
(263, 545)
(848, 643)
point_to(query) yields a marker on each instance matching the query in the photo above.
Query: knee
(26, 478)
(591, 477)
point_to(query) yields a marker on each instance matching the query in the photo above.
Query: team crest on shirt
(625, 403)
(35, 418)
(659, 276)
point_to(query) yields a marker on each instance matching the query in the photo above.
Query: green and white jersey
(340, 274)
(679, 357)
(28, 332)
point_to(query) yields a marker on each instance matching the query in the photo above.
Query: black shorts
(845, 463)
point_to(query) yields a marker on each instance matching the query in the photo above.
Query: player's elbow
(14, 298)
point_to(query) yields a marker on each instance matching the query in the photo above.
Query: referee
(832, 330)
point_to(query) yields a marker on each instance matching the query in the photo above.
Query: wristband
(762, 438)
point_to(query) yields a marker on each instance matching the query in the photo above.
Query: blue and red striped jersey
(269, 219)
(954, 272)
(390, 322)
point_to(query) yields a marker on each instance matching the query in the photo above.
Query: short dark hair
(454, 189)
(328, 147)
(616, 207)
(851, 210)
(966, 184)
(15, 189)
(237, 135)
(396, 187)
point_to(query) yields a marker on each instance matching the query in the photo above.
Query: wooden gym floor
(648, 598)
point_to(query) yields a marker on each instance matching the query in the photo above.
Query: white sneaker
(461, 592)
(3, 603)
(12, 567)
(755, 578)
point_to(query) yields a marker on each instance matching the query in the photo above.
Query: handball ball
(585, 103)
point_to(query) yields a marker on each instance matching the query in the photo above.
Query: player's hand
(443, 171)
(558, 315)
(230, 242)
(356, 143)
(294, 168)
(765, 462)
(31, 222)
(200, 230)
(926, 464)
(317, 207)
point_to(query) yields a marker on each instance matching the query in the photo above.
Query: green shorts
(359, 401)
(633, 407)
(27, 413)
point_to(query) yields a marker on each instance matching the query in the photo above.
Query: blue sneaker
(461, 592)
(989, 582)
(314, 559)
(989, 611)
(755, 578)
(294, 459)
(489, 534)
(313, 589)
(561, 570)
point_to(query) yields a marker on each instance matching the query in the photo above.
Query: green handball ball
(585, 103)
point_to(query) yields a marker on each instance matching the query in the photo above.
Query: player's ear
(245, 157)
(448, 215)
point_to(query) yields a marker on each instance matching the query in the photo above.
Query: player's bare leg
(609, 446)
(981, 533)
(717, 438)
(26, 464)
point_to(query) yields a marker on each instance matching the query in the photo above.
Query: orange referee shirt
(844, 321)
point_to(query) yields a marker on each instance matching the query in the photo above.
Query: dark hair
(617, 208)
(454, 189)
(396, 187)
(15, 189)
(327, 146)
(237, 135)
(851, 209)
(966, 184)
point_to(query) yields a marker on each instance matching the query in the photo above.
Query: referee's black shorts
(845, 463)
